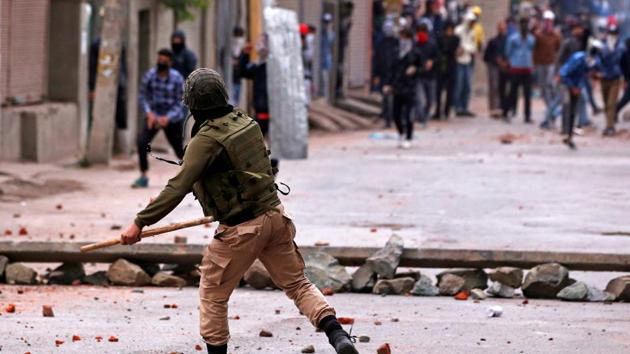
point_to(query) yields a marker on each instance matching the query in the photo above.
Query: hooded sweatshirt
(184, 60)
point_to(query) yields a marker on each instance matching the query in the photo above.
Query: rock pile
(378, 276)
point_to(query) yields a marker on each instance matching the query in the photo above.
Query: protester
(518, 50)
(384, 59)
(238, 42)
(184, 60)
(160, 99)
(402, 83)
(546, 48)
(479, 33)
(610, 70)
(625, 68)
(497, 66)
(326, 54)
(426, 75)
(446, 71)
(465, 57)
(257, 72)
(574, 75)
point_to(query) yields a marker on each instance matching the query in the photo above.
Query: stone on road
(510, 276)
(545, 281)
(168, 280)
(258, 277)
(397, 286)
(620, 288)
(473, 278)
(385, 261)
(450, 284)
(123, 272)
(324, 271)
(18, 273)
(424, 287)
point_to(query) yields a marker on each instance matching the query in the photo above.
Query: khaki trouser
(269, 237)
(610, 93)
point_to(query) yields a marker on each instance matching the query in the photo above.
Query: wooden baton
(149, 233)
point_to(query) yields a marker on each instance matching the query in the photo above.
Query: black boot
(338, 338)
(214, 349)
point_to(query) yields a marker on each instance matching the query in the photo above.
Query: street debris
(308, 349)
(58, 342)
(76, 338)
(112, 339)
(580, 291)
(498, 289)
(23, 231)
(478, 294)
(510, 276)
(166, 280)
(66, 274)
(258, 277)
(364, 339)
(384, 349)
(396, 286)
(324, 271)
(494, 311)
(123, 272)
(545, 281)
(96, 278)
(47, 311)
(473, 278)
(450, 284)
(4, 261)
(17, 273)
(424, 287)
(462, 295)
(386, 260)
(265, 333)
(10, 308)
(620, 288)
(345, 320)
(363, 279)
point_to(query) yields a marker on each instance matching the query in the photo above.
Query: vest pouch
(253, 186)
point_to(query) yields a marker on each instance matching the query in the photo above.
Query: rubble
(397, 286)
(462, 295)
(308, 349)
(510, 276)
(66, 274)
(17, 273)
(363, 279)
(258, 277)
(265, 333)
(473, 278)
(424, 287)
(386, 260)
(324, 271)
(96, 278)
(123, 272)
(384, 349)
(47, 311)
(166, 280)
(620, 288)
(580, 291)
(364, 339)
(545, 281)
(10, 308)
(478, 294)
(498, 289)
(450, 284)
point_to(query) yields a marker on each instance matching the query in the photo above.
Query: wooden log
(347, 256)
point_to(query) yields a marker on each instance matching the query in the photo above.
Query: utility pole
(101, 135)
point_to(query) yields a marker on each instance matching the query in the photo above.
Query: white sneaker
(401, 140)
(406, 144)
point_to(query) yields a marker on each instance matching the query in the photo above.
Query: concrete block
(49, 132)
(10, 128)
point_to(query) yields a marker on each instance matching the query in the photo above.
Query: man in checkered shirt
(161, 101)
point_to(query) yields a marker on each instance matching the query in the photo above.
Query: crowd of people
(426, 56)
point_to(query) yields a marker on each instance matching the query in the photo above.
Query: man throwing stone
(227, 167)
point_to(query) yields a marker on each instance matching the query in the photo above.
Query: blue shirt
(519, 51)
(574, 72)
(610, 61)
(163, 96)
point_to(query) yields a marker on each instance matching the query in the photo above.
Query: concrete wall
(40, 133)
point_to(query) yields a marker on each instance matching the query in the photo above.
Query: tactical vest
(248, 185)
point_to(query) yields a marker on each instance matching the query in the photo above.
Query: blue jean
(560, 105)
(236, 94)
(425, 92)
(463, 80)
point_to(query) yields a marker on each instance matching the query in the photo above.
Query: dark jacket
(257, 72)
(625, 64)
(495, 50)
(385, 56)
(610, 59)
(448, 55)
(570, 46)
(429, 51)
(403, 84)
(184, 60)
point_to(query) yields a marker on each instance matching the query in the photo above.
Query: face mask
(423, 37)
(162, 67)
(177, 47)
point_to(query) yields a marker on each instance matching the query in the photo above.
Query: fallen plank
(349, 256)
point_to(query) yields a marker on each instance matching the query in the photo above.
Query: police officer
(227, 167)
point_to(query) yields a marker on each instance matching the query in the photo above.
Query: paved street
(459, 186)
